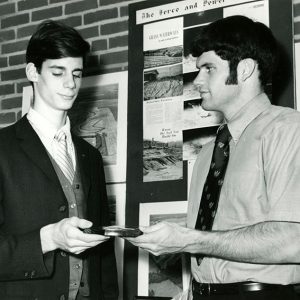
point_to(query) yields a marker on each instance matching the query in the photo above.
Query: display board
(167, 126)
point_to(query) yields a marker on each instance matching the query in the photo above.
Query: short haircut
(54, 40)
(236, 38)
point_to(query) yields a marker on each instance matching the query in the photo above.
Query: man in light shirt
(49, 195)
(252, 250)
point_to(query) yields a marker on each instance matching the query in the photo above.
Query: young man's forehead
(65, 63)
(209, 57)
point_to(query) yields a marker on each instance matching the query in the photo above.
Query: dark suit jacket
(30, 198)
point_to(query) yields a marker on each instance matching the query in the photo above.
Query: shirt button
(62, 208)
(63, 253)
(77, 266)
(33, 273)
(73, 205)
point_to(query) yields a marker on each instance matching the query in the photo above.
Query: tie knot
(223, 134)
(60, 136)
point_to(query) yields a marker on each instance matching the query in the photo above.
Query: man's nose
(69, 82)
(199, 79)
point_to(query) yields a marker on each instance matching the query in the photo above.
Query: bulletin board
(166, 125)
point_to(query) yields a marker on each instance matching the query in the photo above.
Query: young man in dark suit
(53, 186)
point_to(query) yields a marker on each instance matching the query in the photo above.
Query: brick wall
(104, 23)
(297, 20)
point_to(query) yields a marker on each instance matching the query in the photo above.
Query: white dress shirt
(46, 131)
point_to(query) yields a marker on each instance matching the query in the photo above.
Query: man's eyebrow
(57, 67)
(204, 64)
(63, 68)
(78, 69)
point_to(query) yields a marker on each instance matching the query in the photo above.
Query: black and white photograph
(111, 165)
(95, 116)
(190, 91)
(165, 275)
(194, 116)
(99, 116)
(163, 82)
(162, 160)
(194, 139)
(163, 57)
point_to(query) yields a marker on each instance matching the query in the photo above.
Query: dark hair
(53, 40)
(236, 38)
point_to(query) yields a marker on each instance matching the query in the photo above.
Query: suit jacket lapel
(82, 156)
(34, 148)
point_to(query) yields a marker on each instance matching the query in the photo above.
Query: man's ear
(31, 72)
(246, 68)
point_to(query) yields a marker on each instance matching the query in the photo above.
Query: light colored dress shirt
(262, 183)
(47, 131)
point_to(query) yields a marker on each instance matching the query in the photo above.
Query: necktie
(63, 158)
(214, 180)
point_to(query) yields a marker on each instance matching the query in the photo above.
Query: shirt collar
(239, 121)
(45, 127)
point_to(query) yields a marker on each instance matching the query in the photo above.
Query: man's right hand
(66, 235)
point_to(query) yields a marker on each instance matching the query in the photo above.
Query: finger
(90, 238)
(82, 223)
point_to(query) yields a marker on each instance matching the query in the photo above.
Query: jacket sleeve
(21, 257)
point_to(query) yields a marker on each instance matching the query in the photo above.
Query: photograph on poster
(99, 115)
(163, 82)
(162, 153)
(163, 57)
(94, 117)
(190, 91)
(116, 194)
(165, 275)
(194, 116)
(195, 139)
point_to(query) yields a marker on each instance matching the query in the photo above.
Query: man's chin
(205, 105)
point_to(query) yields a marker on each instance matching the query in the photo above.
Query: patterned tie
(63, 158)
(214, 180)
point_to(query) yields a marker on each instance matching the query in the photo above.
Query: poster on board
(172, 112)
